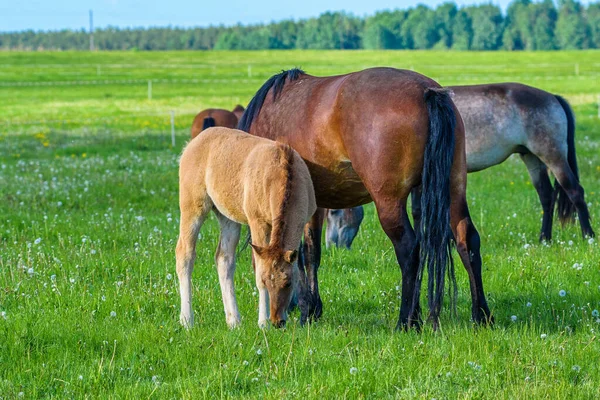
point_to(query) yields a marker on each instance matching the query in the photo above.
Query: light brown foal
(249, 180)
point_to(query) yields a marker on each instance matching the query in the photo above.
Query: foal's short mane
(276, 82)
(279, 223)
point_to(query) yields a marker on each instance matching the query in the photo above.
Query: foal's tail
(208, 122)
(435, 235)
(565, 209)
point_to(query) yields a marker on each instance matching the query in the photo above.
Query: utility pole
(91, 30)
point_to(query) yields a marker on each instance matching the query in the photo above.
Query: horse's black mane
(276, 82)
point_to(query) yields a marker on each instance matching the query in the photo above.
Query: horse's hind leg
(569, 182)
(539, 177)
(394, 221)
(468, 247)
(225, 260)
(192, 217)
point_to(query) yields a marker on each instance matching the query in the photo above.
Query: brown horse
(503, 119)
(407, 133)
(216, 117)
(244, 180)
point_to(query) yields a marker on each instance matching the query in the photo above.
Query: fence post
(173, 128)
(149, 89)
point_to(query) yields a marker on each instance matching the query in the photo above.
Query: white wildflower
(353, 371)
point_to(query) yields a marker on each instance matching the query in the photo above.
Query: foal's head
(277, 270)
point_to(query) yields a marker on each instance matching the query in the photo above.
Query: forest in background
(526, 25)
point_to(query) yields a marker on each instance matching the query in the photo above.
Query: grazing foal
(249, 180)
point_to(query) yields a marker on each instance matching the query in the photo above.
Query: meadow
(89, 300)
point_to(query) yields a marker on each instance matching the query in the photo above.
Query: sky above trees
(73, 14)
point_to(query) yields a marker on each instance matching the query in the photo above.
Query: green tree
(488, 26)
(462, 31)
(593, 18)
(572, 30)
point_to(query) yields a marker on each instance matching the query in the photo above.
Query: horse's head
(277, 270)
(342, 226)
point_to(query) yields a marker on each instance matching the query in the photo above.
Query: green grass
(88, 224)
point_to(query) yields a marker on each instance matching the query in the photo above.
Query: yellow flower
(84, 155)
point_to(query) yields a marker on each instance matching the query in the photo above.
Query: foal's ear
(259, 250)
(290, 256)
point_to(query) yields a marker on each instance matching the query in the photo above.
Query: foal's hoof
(186, 322)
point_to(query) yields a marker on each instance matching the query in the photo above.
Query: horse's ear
(290, 256)
(259, 250)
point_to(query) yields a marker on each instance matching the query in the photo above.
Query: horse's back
(223, 118)
(505, 118)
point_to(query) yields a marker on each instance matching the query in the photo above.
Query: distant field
(89, 218)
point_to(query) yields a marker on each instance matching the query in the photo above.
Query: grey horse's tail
(565, 209)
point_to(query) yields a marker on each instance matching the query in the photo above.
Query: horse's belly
(338, 186)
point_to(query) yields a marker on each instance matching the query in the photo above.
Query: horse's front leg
(309, 299)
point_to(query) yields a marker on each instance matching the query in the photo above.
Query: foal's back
(242, 175)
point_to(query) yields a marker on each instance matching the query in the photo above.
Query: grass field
(89, 218)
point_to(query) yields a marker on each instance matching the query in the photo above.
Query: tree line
(527, 25)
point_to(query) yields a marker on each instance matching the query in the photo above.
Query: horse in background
(342, 226)
(248, 180)
(216, 117)
(511, 118)
(408, 133)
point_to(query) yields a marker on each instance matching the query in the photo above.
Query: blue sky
(16, 15)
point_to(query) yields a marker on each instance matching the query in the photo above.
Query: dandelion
(543, 336)
(562, 293)
(53, 277)
(526, 245)
(570, 243)
(591, 241)
(155, 380)
(139, 218)
(72, 280)
(259, 352)
(169, 277)
(595, 313)
(30, 271)
(92, 251)
(448, 374)
(80, 377)
(245, 363)
(37, 241)
(3, 315)
(103, 298)
(113, 314)
(528, 304)
(513, 318)
(353, 371)
(576, 368)
(59, 203)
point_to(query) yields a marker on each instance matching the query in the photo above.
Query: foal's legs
(192, 217)
(394, 221)
(225, 260)
(309, 299)
(539, 177)
(260, 234)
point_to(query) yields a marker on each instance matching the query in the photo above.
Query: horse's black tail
(435, 235)
(208, 122)
(565, 209)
